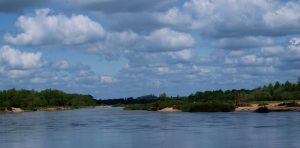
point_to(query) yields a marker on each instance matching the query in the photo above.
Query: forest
(31, 99)
(219, 100)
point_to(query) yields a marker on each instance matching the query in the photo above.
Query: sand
(13, 110)
(250, 108)
(274, 106)
(169, 109)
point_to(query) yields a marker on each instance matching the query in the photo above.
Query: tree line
(29, 99)
(51, 97)
(219, 100)
(127, 101)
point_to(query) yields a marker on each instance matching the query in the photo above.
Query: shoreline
(252, 107)
(20, 110)
(272, 106)
(53, 108)
(169, 109)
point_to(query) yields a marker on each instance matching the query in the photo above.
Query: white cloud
(168, 55)
(127, 42)
(294, 45)
(16, 58)
(273, 50)
(166, 38)
(284, 17)
(45, 28)
(223, 18)
(105, 79)
(186, 54)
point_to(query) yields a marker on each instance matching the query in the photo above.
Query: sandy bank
(53, 108)
(12, 110)
(250, 108)
(19, 110)
(274, 106)
(169, 109)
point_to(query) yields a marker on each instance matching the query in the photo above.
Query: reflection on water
(115, 128)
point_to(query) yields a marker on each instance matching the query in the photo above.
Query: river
(116, 128)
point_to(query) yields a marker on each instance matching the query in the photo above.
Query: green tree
(271, 88)
(277, 85)
(298, 83)
(163, 97)
(287, 86)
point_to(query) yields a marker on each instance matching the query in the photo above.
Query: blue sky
(118, 48)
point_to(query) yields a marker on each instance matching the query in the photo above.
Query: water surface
(115, 128)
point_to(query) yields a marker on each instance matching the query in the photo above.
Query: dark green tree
(277, 85)
(163, 97)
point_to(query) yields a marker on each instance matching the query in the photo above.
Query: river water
(116, 128)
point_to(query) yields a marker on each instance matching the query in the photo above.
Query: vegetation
(31, 99)
(127, 101)
(207, 101)
(263, 109)
(223, 101)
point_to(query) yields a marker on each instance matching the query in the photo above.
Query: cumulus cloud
(44, 28)
(166, 38)
(222, 18)
(16, 58)
(105, 79)
(79, 31)
(29, 70)
(190, 46)
(125, 43)
(294, 45)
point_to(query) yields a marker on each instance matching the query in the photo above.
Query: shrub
(263, 109)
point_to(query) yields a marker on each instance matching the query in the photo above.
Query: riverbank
(272, 106)
(169, 109)
(20, 110)
(251, 107)
(11, 110)
(55, 108)
(104, 106)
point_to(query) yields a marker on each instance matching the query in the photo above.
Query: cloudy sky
(121, 48)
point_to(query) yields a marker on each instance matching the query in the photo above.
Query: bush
(263, 109)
